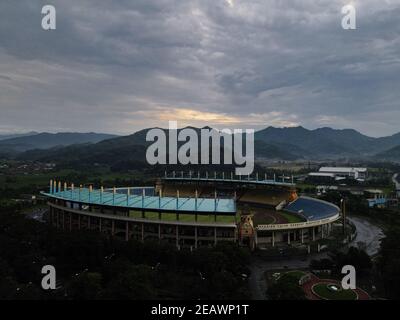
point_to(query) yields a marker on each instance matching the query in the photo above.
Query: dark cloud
(113, 65)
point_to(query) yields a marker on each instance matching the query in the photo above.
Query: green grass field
(291, 218)
(165, 216)
(322, 290)
(262, 219)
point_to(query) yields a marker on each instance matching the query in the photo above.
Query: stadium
(192, 210)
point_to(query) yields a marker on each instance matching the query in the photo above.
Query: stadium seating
(267, 197)
(312, 209)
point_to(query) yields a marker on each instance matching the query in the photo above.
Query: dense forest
(91, 266)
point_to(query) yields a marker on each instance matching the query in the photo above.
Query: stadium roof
(238, 181)
(312, 209)
(322, 174)
(342, 169)
(140, 202)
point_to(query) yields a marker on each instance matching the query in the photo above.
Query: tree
(286, 288)
(389, 263)
(134, 284)
(355, 257)
(87, 286)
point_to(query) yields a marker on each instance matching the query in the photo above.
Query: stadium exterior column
(195, 237)
(302, 235)
(177, 236)
(288, 237)
(142, 232)
(127, 231)
(273, 238)
(215, 235)
(63, 220)
(112, 227)
(70, 221)
(313, 233)
(100, 224)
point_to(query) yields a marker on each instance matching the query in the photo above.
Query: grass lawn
(262, 219)
(151, 215)
(135, 214)
(322, 290)
(291, 218)
(168, 216)
(165, 216)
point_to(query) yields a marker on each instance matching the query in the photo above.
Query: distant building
(377, 202)
(346, 172)
(376, 198)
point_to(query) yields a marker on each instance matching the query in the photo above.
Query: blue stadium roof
(139, 202)
(312, 209)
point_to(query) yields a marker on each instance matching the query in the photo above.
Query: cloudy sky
(119, 66)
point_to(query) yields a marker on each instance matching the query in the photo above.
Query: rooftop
(342, 169)
(321, 174)
(171, 204)
(243, 180)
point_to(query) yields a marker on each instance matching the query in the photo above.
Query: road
(368, 234)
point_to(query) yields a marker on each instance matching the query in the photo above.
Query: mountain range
(326, 142)
(45, 140)
(270, 143)
(16, 135)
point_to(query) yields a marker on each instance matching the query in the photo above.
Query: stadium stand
(267, 197)
(312, 209)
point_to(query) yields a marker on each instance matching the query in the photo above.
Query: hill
(326, 142)
(392, 154)
(16, 135)
(270, 143)
(50, 140)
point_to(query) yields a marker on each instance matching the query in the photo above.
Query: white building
(356, 173)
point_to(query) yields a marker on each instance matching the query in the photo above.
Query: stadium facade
(196, 210)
